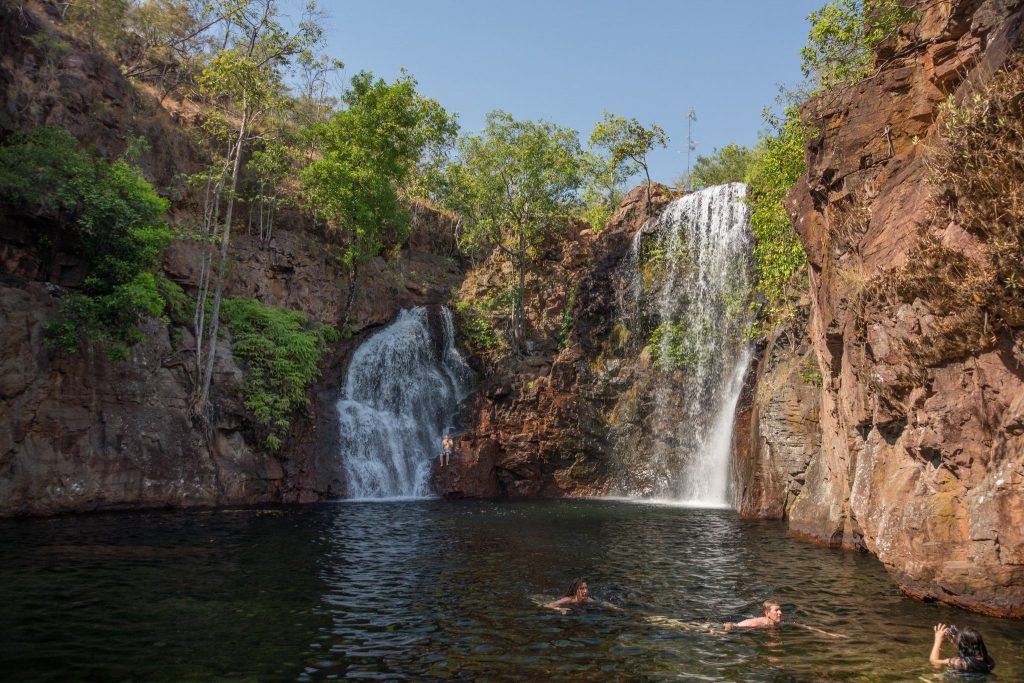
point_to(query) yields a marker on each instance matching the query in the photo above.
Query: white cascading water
(698, 297)
(401, 396)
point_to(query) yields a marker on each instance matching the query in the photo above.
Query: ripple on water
(433, 590)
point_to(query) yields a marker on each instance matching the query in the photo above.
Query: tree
(245, 81)
(514, 183)
(727, 165)
(844, 34)
(628, 142)
(367, 152)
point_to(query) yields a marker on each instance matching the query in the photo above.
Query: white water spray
(691, 281)
(401, 395)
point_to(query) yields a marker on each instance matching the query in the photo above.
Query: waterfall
(401, 395)
(688, 294)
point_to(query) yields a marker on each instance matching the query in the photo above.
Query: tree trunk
(349, 298)
(646, 173)
(519, 315)
(203, 394)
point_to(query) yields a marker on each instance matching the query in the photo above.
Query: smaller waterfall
(401, 395)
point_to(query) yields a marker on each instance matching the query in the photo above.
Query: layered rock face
(922, 454)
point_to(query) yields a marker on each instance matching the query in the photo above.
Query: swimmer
(972, 657)
(578, 594)
(772, 618)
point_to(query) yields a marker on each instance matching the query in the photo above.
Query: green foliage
(115, 218)
(627, 142)
(679, 343)
(844, 34)
(368, 151)
(178, 306)
(567, 318)
(809, 372)
(281, 353)
(602, 190)
(476, 333)
(778, 253)
(514, 182)
(731, 164)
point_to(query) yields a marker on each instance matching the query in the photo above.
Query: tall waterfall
(688, 294)
(401, 395)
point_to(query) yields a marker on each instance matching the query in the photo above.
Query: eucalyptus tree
(515, 183)
(628, 142)
(366, 153)
(244, 81)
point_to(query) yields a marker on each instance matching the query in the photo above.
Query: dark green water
(432, 591)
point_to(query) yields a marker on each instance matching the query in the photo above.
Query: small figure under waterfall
(447, 446)
(972, 656)
(578, 595)
(772, 618)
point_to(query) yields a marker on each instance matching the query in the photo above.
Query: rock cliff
(922, 450)
(84, 432)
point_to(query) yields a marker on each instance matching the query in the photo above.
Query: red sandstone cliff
(922, 454)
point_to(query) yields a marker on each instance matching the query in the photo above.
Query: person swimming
(972, 656)
(577, 595)
(772, 618)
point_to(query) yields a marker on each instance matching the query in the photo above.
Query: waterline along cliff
(630, 356)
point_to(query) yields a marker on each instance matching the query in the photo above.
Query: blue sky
(568, 61)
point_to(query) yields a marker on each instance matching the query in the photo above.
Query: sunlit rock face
(921, 463)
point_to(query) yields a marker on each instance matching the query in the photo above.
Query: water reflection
(433, 590)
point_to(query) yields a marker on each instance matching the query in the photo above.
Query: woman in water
(972, 657)
(772, 618)
(578, 594)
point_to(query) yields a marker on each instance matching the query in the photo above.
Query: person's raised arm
(940, 633)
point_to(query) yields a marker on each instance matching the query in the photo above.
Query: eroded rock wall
(922, 464)
(543, 425)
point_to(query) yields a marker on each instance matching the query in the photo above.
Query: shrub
(115, 220)
(679, 343)
(280, 351)
(778, 253)
(979, 176)
(730, 164)
(475, 330)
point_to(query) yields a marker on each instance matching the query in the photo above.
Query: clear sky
(568, 61)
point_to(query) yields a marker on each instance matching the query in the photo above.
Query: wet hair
(574, 586)
(971, 649)
(768, 604)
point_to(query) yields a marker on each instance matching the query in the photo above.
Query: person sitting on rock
(447, 446)
(772, 618)
(972, 657)
(577, 595)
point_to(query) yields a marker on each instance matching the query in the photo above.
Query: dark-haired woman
(972, 657)
(578, 594)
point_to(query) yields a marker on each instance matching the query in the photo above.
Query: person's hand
(940, 631)
(728, 626)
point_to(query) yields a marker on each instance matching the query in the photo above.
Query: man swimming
(772, 618)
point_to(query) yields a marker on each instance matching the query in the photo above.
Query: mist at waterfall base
(440, 590)
(401, 396)
(688, 288)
